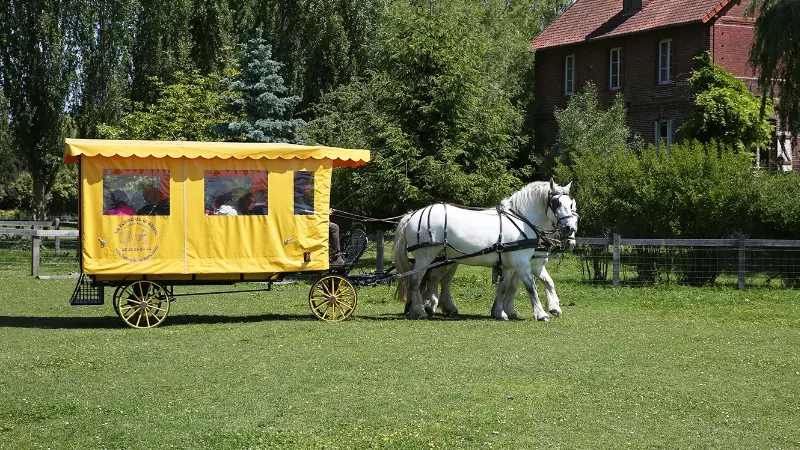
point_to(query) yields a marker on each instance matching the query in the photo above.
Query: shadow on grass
(116, 322)
(435, 318)
(190, 319)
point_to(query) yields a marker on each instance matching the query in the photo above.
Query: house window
(614, 68)
(569, 75)
(663, 132)
(664, 61)
(630, 6)
(784, 154)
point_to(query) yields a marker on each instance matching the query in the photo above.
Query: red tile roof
(586, 20)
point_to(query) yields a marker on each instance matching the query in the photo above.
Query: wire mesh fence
(57, 256)
(733, 262)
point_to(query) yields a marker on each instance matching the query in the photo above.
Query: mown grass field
(668, 367)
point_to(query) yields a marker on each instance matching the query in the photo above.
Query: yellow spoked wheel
(332, 298)
(142, 304)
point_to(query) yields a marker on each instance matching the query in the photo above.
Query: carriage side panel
(121, 234)
(276, 241)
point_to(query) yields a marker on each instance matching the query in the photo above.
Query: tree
(725, 110)
(441, 126)
(585, 126)
(161, 45)
(264, 113)
(105, 39)
(776, 54)
(8, 165)
(187, 109)
(210, 26)
(38, 58)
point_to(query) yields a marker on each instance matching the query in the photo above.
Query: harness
(539, 239)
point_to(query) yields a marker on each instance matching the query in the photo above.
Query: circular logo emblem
(137, 238)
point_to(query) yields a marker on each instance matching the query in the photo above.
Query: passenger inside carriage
(259, 205)
(119, 201)
(155, 203)
(222, 203)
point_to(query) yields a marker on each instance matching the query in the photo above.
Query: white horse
(504, 237)
(436, 290)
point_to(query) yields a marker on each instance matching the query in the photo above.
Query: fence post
(35, 257)
(616, 260)
(379, 252)
(742, 261)
(56, 224)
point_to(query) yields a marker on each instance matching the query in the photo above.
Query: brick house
(644, 49)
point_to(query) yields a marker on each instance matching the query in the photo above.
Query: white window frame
(657, 133)
(784, 150)
(665, 62)
(615, 71)
(569, 74)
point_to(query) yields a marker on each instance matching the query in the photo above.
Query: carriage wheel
(332, 298)
(142, 304)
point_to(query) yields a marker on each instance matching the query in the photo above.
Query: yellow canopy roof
(341, 157)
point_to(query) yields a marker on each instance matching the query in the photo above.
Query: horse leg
(445, 298)
(530, 285)
(498, 308)
(510, 297)
(422, 259)
(430, 290)
(553, 304)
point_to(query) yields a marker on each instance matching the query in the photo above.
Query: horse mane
(533, 194)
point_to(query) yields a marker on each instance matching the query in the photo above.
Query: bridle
(552, 205)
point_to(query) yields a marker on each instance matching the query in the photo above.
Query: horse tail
(401, 261)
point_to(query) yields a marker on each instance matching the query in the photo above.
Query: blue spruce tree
(265, 113)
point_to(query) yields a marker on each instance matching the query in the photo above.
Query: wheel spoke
(129, 316)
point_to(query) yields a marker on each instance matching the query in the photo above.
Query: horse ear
(566, 188)
(552, 185)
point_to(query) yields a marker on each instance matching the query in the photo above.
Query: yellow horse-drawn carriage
(156, 214)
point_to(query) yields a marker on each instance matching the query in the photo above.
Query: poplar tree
(38, 64)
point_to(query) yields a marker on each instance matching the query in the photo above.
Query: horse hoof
(555, 313)
(543, 319)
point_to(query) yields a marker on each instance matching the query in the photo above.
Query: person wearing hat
(119, 202)
(222, 199)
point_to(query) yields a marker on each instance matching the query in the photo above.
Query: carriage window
(304, 193)
(235, 192)
(129, 192)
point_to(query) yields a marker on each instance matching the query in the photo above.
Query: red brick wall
(731, 38)
(646, 99)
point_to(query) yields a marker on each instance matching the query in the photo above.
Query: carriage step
(87, 292)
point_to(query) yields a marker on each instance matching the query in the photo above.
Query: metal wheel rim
(332, 298)
(142, 304)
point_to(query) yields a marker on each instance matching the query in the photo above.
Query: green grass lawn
(668, 367)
